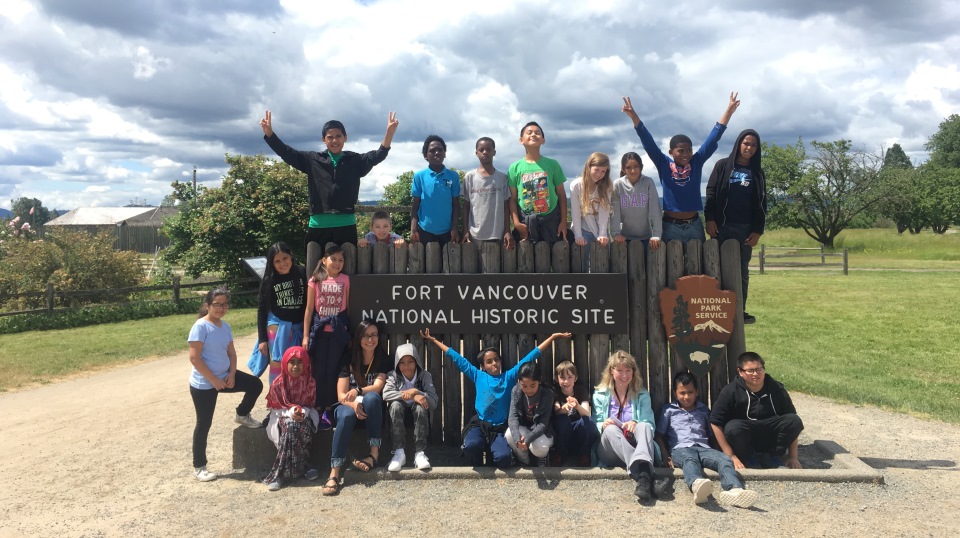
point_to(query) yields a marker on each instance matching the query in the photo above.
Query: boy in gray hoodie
(409, 392)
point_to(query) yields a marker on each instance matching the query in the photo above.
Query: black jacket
(332, 189)
(735, 401)
(718, 186)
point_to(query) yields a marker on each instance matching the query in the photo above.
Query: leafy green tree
(896, 158)
(938, 196)
(31, 211)
(903, 203)
(398, 194)
(783, 166)
(259, 202)
(944, 146)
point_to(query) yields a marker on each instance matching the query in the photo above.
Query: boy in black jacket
(754, 420)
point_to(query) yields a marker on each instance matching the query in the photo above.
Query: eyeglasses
(752, 371)
(220, 305)
(373, 336)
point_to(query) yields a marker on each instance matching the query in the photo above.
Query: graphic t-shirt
(330, 296)
(536, 184)
(740, 197)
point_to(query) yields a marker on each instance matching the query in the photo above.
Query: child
(435, 215)
(214, 371)
(409, 393)
(328, 294)
(622, 413)
(282, 300)
(362, 378)
(736, 206)
(529, 430)
(575, 432)
(484, 432)
(487, 200)
(636, 205)
(293, 420)
(536, 183)
(333, 181)
(381, 231)
(590, 197)
(681, 174)
(754, 420)
(683, 433)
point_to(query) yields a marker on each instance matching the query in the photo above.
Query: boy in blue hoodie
(484, 433)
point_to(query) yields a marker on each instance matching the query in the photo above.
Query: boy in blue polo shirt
(435, 215)
(681, 174)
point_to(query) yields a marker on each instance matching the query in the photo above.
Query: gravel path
(108, 454)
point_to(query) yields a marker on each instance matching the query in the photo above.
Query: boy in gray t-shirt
(486, 199)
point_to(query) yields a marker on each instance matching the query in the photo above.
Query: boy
(681, 175)
(436, 197)
(381, 231)
(754, 420)
(683, 429)
(736, 205)
(484, 433)
(487, 199)
(536, 183)
(409, 392)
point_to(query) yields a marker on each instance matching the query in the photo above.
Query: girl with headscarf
(293, 419)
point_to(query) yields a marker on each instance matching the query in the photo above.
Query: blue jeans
(683, 232)
(693, 459)
(498, 451)
(739, 232)
(346, 421)
(588, 248)
(574, 437)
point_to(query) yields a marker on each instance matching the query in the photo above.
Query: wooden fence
(790, 257)
(647, 274)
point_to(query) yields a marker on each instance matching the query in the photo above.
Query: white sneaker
(248, 421)
(273, 486)
(420, 461)
(203, 475)
(741, 498)
(701, 488)
(398, 460)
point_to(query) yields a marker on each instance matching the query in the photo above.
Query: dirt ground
(108, 454)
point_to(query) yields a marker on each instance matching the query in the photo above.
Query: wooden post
(762, 252)
(844, 260)
(452, 404)
(677, 266)
(176, 289)
(718, 370)
(823, 257)
(637, 297)
(619, 264)
(435, 364)
(730, 280)
(599, 343)
(50, 298)
(656, 281)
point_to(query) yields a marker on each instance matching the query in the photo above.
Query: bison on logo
(698, 319)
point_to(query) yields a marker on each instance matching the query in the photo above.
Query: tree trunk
(915, 230)
(940, 228)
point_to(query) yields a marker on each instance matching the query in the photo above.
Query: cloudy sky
(107, 101)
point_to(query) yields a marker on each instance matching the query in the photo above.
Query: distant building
(135, 228)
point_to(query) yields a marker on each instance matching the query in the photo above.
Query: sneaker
(770, 461)
(420, 461)
(325, 422)
(203, 475)
(644, 487)
(248, 421)
(748, 319)
(311, 474)
(398, 460)
(543, 462)
(739, 497)
(702, 488)
(273, 486)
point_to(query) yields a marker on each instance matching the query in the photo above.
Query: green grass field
(881, 248)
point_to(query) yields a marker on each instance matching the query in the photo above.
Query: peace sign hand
(629, 111)
(392, 125)
(267, 124)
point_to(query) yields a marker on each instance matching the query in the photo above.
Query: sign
(256, 266)
(493, 303)
(698, 319)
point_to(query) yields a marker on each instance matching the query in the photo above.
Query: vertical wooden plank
(432, 265)
(620, 265)
(637, 295)
(675, 270)
(365, 260)
(509, 265)
(718, 370)
(557, 259)
(656, 281)
(531, 258)
(599, 348)
(730, 280)
(349, 258)
(692, 258)
(452, 396)
(381, 258)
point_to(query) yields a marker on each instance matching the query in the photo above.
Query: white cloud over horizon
(108, 101)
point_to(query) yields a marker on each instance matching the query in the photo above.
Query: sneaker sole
(701, 495)
(742, 499)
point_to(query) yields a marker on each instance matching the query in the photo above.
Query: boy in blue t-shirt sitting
(435, 215)
(684, 427)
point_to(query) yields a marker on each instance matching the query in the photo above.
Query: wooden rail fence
(801, 257)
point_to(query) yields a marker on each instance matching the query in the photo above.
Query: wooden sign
(698, 319)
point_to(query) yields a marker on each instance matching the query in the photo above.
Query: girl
(636, 205)
(590, 201)
(622, 413)
(572, 422)
(293, 420)
(214, 363)
(283, 297)
(328, 293)
(529, 429)
(359, 390)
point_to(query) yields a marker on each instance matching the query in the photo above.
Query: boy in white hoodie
(409, 392)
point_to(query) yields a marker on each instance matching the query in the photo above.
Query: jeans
(739, 232)
(773, 435)
(346, 421)
(498, 451)
(427, 237)
(693, 459)
(205, 402)
(398, 429)
(574, 437)
(684, 232)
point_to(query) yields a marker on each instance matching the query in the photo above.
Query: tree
(938, 194)
(398, 194)
(783, 165)
(896, 158)
(944, 146)
(903, 205)
(259, 202)
(824, 194)
(31, 210)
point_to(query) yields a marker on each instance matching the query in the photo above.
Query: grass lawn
(879, 248)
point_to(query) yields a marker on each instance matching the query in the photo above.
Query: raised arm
(630, 112)
(392, 125)
(426, 336)
(546, 343)
(731, 108)
(267, 124)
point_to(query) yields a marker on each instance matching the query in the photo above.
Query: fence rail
(808, 254)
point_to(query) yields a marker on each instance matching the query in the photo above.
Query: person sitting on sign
(484, 433)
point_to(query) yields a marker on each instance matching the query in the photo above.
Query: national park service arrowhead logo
(698, 319)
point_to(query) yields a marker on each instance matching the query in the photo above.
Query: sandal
(333, 489)
(362, 465)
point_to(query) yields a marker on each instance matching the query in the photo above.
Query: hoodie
(718, 187)
(423, 381)
(737, 402)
